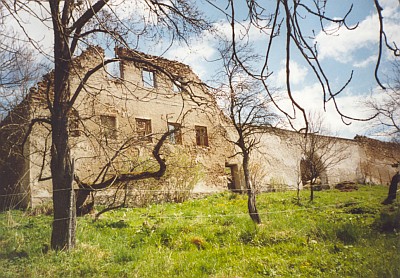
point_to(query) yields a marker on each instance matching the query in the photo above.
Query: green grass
(340, 234)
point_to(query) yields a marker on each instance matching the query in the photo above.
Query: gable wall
(278, 155)
(127, 100)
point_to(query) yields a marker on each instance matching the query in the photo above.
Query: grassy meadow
(340, 234)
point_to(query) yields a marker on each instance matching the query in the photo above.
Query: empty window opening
(115, 70)
(148, 77)
(232, 173)
(177, 86)
(143, 128)
(74, 123)
(201, 135)
(108, 126)
(176, 136)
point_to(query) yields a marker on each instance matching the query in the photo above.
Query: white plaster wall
(348, 169)
(279, 154)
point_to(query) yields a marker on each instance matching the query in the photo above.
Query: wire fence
(180, 215)
(209, 216)
(263, 189)
(230, 215)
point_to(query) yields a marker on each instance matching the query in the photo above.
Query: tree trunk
(392, 189)
(298, 193)
(64, 223)
(251, 201)
(311, 192)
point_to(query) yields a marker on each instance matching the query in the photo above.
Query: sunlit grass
(340, 234)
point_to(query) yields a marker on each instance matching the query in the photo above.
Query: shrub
(175, 185)
(348, 233)
(388, 222)
(277, 184)
(257, 176)
(42, 209)
(182, 174)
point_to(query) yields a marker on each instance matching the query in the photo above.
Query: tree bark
(82, 207)
(251, 201)
(392, 189)
(298, 193)
(64, 223)
(311, 192)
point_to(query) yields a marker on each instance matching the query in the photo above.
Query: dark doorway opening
(232, 171)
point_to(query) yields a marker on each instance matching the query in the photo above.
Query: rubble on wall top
(93, 52)
(371, 141)
(173, 67)
(379, 148)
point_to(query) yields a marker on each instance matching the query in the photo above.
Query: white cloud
(311, 99)
(126, 10)
(351, 106)
(40, 31)
(390, 7)
(204, 49)
(344, 44)
(298, 74)
(31, 28)
(365, 63)
(195, 56)
(242, 31)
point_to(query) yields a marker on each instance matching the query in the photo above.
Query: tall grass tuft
(388, 221)
(348, 233)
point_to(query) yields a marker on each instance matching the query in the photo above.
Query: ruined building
(123, 112)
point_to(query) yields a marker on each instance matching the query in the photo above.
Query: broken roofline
(174, 70)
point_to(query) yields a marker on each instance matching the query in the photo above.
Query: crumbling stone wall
(377, 158)
(126, 100)
(14, 165)
(348, 168)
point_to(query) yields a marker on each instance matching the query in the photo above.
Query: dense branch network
(77, 25)
(285, 19)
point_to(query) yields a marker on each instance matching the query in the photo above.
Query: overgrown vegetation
(175, 185)
(341, 234)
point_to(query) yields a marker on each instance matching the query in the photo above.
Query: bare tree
(81, 23)
(387, 106)
(320, 153)
(19, 68)
(281, 25)
(76, 24)
(394, 183)
(248, 108)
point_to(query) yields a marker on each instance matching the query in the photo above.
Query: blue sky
(340, 54)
